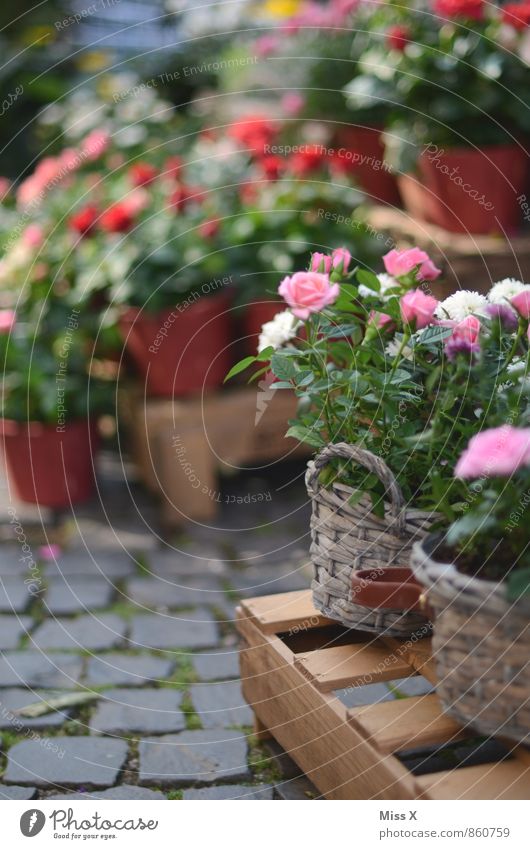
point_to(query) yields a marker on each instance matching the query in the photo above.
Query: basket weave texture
(346, 536)
(481, 644)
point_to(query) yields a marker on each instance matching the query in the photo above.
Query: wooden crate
(292, 661)
(467, 262)
(181, 445)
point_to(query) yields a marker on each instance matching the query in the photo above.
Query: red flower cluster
(117, 219)
(397, 37)
(141, 174)
(470, 9)
(305, 161)
(517, 15)
(254, 131)
(182, 195)
(85, 220)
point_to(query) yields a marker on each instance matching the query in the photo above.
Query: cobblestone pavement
(140, 623)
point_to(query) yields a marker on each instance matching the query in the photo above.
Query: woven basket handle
(374, 464)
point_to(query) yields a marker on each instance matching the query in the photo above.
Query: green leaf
(368, 279)
(240, 366)
(283, 367)
(306, 434)
(265, 355)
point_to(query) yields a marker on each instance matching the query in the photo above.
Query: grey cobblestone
(130, 670)
(145, 711)
(77, 595)
(12, 629)
(196, 630)
(80, 760)
(90, 631)
(37, 669)
(221, 705)
(194, 757)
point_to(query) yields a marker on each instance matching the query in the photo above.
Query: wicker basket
(482, 647)
(346, 537)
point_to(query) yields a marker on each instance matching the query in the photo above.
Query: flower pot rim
(130, 312)
(14, 425)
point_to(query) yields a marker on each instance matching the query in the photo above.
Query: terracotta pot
(50, 466)
(256, 314)
(393, 588)
(183, 350)
(379, 184)
(465, 190)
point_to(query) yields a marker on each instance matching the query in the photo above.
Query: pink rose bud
(400, 263)
(33, 236)
(521, 302)
(380, 319)
(95, 144)
(496, 452)
(468, 329)
(307, 292)
(341, 259)
(321, 263)
(417, 308)
(7, 320)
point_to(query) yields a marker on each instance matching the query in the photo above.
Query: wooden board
(180, 446)
(467, 261)
(357, 752)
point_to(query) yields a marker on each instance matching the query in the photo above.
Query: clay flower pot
(377, 181)
(50, 465)
(257, 314)
(465, 190)
(182, 350)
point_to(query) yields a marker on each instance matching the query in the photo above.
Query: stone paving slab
(78, 595)
(11, 700)
(94, 632)
(217, 665)
(230, 791)
(296, 790)
(125, 792)
(177, 566)
(416, 685)
(108, 564)
(193, 756)
(197, 630)
(256, 582)
(366, 695)
(32, 668)
(154, 593)
(130, 670)
(146, 711)
(12, 629)
(221, 705)
(10, 562)
(88, 761)
(14, 595)
(15, 793)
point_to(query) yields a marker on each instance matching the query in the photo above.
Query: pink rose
(521, 302)
(417, 308)
(321, 263)
(292, 103)
(307, 292)
(95, 144)
(341, 259)
(400, 263)
(380, 320)
(496, 452)
(468, 329)
(7, 320)
(33, 236)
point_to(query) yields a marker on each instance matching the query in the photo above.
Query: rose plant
(377, 361)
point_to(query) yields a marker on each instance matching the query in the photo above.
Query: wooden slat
(344, 666)
(283, 612)
(417, 654)
(506, 780)
(312, 726)
(405, 723)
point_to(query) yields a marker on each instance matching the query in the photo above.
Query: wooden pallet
(292, 661)
(467, 262)
(181, 445)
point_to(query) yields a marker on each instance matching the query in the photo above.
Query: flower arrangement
(378, 362)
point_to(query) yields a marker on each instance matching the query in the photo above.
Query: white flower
(278, 331)
(392, 349)
(505, 290)
(387, 282)
(458, 306)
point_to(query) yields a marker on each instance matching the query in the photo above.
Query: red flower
(255, 131)
(517, 15)
(209, 229)
(172, 166)
(470, 9)
(117, 219)
(182, 195)
(272, 166)
(141, 174)
(84, 220)
(345, 163)
(310, 158)
(397, 37)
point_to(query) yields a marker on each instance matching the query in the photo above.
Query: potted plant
(381, 370)
(456, 82)
(477, 582)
